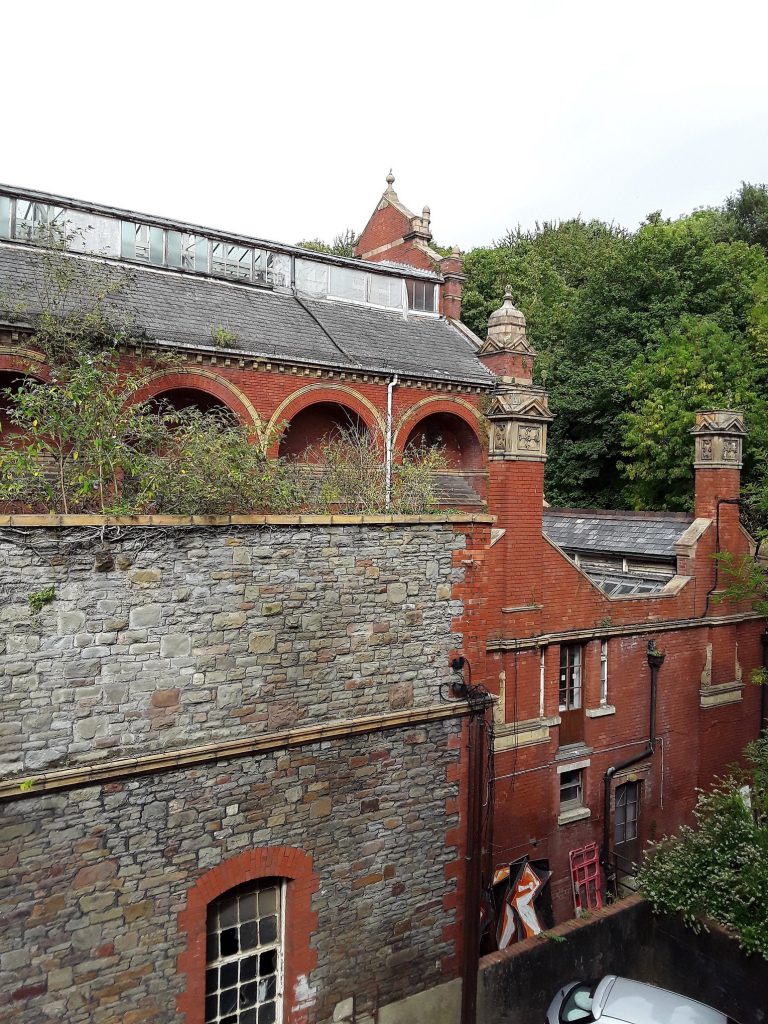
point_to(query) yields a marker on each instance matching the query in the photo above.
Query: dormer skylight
(116, 234)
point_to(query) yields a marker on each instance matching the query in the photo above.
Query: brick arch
(335, 394)
(300, 922)
(12, 367)
(471, 416)
(25, 362)
(193, 379)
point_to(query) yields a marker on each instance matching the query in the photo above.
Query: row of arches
(316, 413)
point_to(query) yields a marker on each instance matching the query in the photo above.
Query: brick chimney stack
(519, 417)
(452, 269)
(719, 435)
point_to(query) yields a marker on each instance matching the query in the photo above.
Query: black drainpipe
(655, 661)
(713, 588)
(764, 686)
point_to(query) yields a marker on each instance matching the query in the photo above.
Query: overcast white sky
(282, 119)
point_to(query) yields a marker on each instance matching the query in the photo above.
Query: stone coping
(27, 519)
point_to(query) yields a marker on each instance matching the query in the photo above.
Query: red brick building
(622, 680)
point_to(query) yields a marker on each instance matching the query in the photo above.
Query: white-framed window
(35, 219)
(229, 260)
(627, 812)
(142, 242)
(385, 291)
(570, 677)
(5, 217)
(421, 296)
(346, 283)
(603, 673)
(244, 954)
(571, 789)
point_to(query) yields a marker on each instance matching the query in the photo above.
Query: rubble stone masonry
(166, 637)
(199, 706)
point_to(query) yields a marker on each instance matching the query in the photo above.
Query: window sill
(573, 814)
(600, 712)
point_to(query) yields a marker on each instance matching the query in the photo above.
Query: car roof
(633, 1002)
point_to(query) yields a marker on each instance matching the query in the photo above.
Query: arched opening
(179, 399)
(462, 483)
(10, 432)
(315, 425)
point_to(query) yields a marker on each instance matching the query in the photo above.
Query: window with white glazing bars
(35, 219)
(244, 955)
(232, 260)
(142, 242)
(571, 790)
(421, 296)
(570, 677)
(627, 806)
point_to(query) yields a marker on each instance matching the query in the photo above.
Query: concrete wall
(516, 986)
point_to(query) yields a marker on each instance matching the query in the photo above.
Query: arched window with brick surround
(249, 925)
(244, 954)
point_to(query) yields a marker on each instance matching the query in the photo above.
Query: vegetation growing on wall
(89, 446)
(86, 443)
(719, 868)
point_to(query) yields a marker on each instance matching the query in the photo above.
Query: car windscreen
(577, 1005)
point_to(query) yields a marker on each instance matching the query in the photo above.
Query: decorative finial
(508, 293)
(456, 252)
(426, 212)
(390, 179)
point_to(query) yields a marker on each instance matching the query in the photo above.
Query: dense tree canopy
(636, 330)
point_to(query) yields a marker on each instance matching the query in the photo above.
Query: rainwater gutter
(655, 661)
(388, 450)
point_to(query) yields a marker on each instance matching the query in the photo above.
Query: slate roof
(650, 534)
(182, 308)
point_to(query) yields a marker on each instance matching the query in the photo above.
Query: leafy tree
(203, 463)
(695, 365)
(343, 244)
(73, 300)
(747, 210)
(719, 868)
(80, 435)
(597, 299)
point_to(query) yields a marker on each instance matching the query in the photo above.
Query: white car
(614, 1000)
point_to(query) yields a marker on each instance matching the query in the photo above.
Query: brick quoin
(300, 922)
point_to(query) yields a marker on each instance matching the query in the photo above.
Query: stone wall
(200, 706)
(93, 882)
(165, 637)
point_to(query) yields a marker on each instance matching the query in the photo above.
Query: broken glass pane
(278, 269)
(231, 260)
(34, 220)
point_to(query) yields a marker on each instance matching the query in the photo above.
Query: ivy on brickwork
(719, 868)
